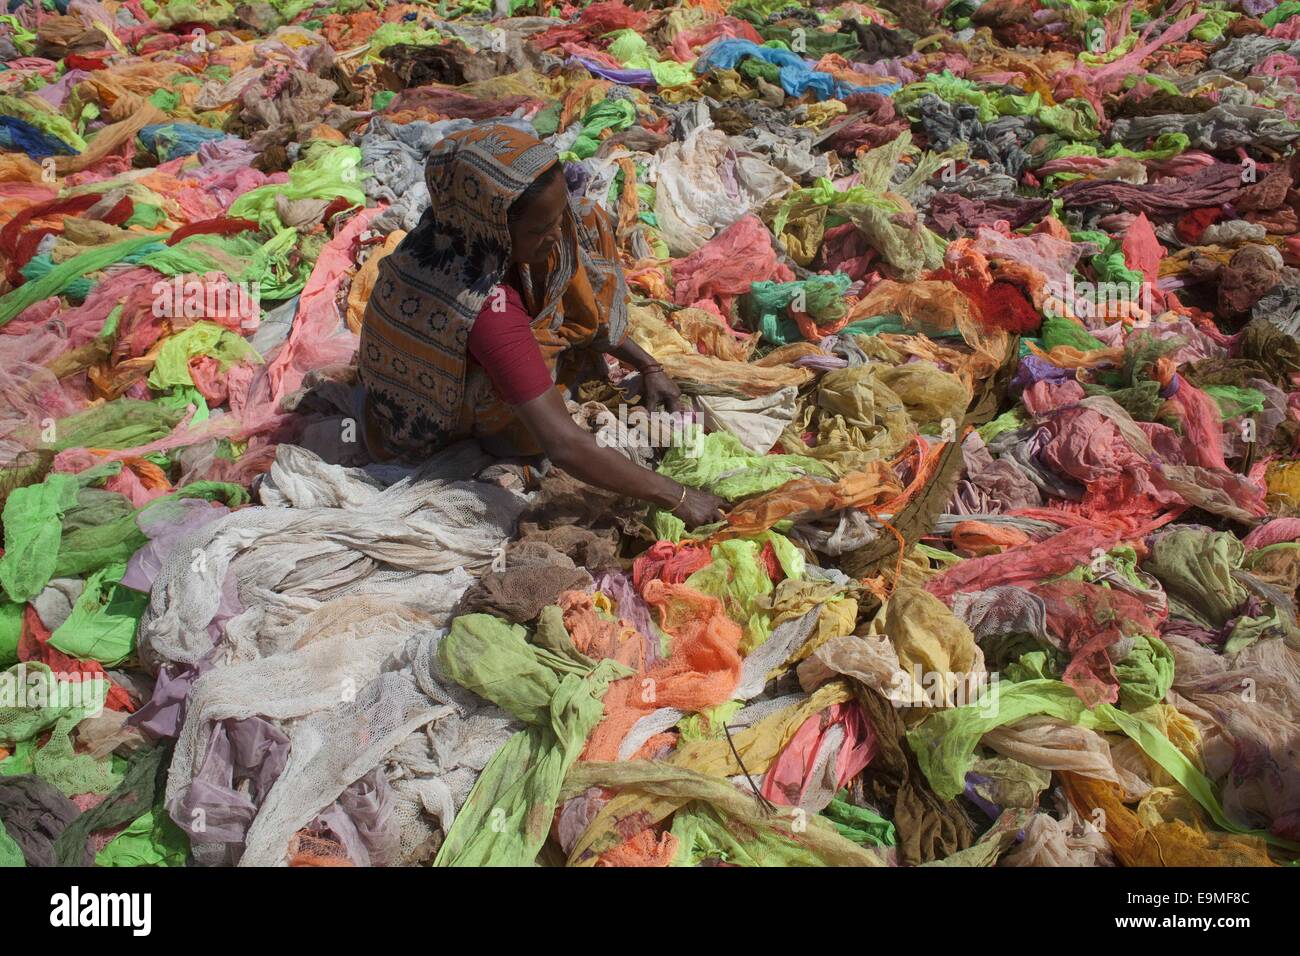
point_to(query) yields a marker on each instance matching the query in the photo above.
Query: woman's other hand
(660, 391)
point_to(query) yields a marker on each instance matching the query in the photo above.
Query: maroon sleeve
(502, 342)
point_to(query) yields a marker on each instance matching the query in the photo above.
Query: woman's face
(536, 233)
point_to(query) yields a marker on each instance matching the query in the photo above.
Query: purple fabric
(973, 781)
(362, 820)
(624, 77)
(895, 68)
(164, 712)
(575, 178)
(55, 93)
(165, 524)
(216, 807)
(1033, 370)
(631, 606)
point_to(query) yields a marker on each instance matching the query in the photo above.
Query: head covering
(413, 351)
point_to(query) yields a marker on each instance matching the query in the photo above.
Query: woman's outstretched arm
(576, 451)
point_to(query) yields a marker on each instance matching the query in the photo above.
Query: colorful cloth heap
(990, 313)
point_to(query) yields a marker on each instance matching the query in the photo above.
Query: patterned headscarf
(414, 338)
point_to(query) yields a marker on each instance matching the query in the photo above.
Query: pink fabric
(727, 265)
(319, 336)
(1202, 427)
(787, 779)
(1275, 532)
(1034, 562)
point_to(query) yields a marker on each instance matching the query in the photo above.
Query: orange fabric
(1166, 844)
(363, 283)
(808, 496)
(647, 849)
(601, 637)
(979, 537)
(701, 670)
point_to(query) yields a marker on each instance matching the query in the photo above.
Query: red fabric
(671, 563)
(33, 645)
(13, 229)
(502, 343)
(787, 780)
(1191, 226)
(221, 227)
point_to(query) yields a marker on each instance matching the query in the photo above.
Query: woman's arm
(576, 451)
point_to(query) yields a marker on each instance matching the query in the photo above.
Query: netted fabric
(1051, 744)
(291, 557)
(1247, 709)
(299, 616)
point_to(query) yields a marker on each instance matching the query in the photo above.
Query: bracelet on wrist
(673, 509)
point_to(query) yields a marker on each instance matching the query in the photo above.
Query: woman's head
(536, 218)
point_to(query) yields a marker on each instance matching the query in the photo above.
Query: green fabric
(44, 118)
(103, 621)
(553, 689)
(634, 53)
(737, 578)
(152, 840)
(705, 833)
(1195, 567)
(1234, 401)
(1281, 13)
(707, 724)
(728, 469)
(58, 278)
(1061, 331)
(329, 172)
(11, 629)
(862, 825)
(139, 790)
(202, 338)
(33, 524)
(102, 530)
(121, 424)
(1145, 674)
(945, 742)
(32, 702)
(767, 305)
(11, 855)
(615, 115)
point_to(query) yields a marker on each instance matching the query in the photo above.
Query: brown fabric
(593, 550)
(564, 500)
(519, 594)
(928, 828)
(1249, 274)
(34, 814)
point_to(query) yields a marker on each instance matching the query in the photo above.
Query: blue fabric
(797, 75)
(169, 140)
(20, 136)
(625, 77)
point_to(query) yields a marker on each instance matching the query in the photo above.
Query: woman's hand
(660, 391)
(700, 507)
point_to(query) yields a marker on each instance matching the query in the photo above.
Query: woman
(506, 289)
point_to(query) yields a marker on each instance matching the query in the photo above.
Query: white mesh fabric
(325, 609)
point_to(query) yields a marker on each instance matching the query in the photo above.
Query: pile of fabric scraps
(990, 313)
